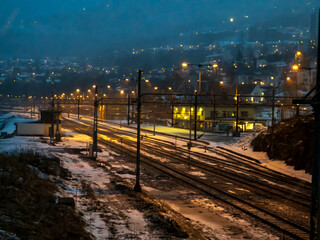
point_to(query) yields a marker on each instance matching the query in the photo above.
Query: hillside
(293, 142)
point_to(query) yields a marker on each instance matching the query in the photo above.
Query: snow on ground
(241, 145)
(98, 178)
(132, 221)
(211, 218)
(209, 139)
(9, 120)
(214, 220)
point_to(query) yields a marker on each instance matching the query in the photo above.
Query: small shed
(42, 127)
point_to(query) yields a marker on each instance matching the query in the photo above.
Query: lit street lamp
(296, 68)
(184, 65)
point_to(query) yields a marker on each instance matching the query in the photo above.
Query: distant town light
(121, 92)
(231, 19)
(184, 64)
(295, 67)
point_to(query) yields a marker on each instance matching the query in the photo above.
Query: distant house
(264, 77)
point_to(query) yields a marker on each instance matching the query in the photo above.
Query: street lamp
(296, 68)
(185, 65)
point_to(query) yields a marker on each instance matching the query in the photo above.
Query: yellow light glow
(221, 82)
(155, 88)
(184, 65)
(215, 65)
(109, 86)
(121, 92)
(231, 19)
(298, 53)
(295, 67)
(78, 90)
(94, 86)
(288, 78)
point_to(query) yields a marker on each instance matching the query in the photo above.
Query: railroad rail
(288, 227)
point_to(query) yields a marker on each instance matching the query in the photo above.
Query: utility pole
(78, 107)
(172, 111)
(68, 107)
(315, 165)
(272, 124)
(128, 109)
(58, 135)
(189, 145)
(199, 66)
(154, 118)
(195, 115)
(315, 191)
(214, 110)
(237, 133)
(95, 126)
(237, 114)
(137, 187)
(52, 120)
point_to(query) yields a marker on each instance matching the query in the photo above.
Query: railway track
(288, 227)
(252, 170)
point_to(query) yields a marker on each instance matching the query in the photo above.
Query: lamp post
(315, 190)
(296, 68)
(78, 99)
(95, 124)
(185, 65)
(137, 187)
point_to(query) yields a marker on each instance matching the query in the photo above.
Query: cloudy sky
(71, 27)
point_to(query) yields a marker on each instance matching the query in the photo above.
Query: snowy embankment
(8, 120)
(243, 146)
